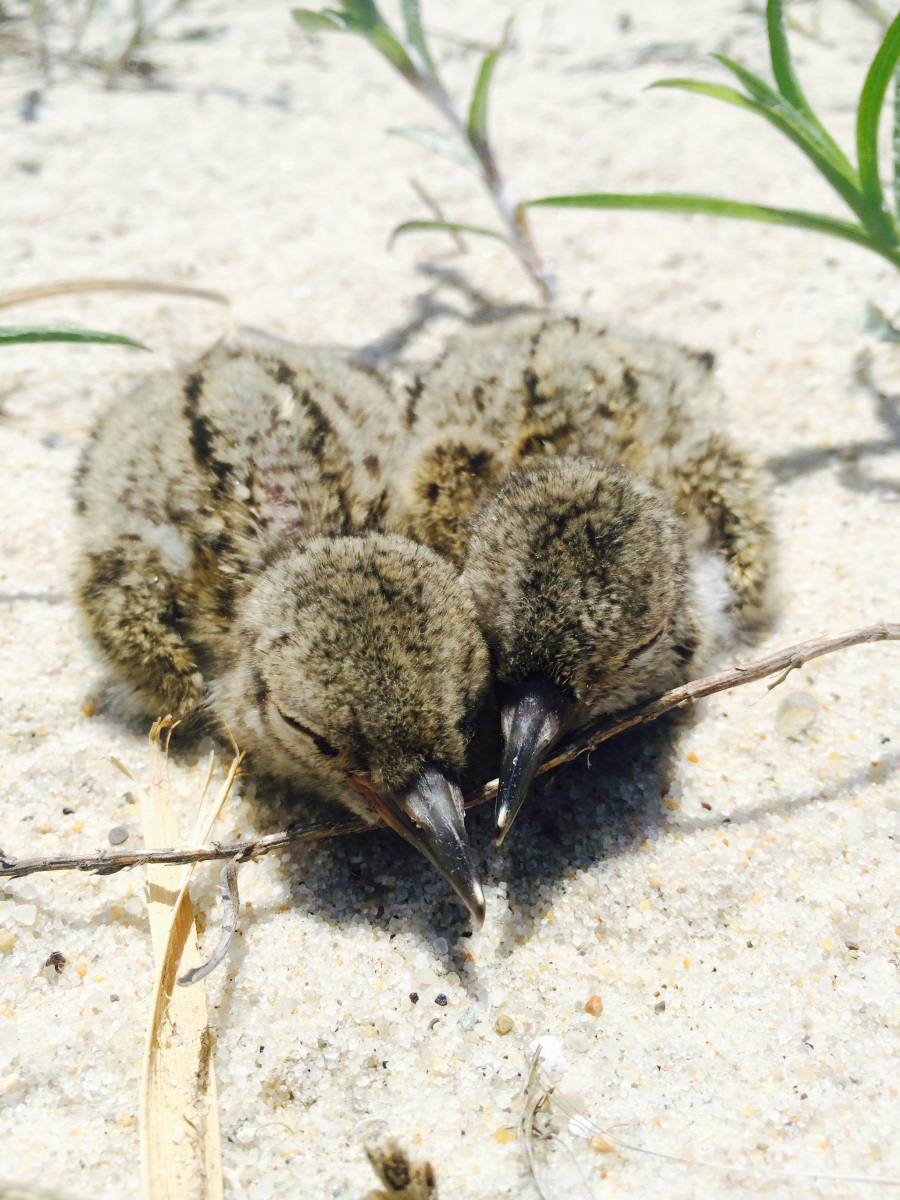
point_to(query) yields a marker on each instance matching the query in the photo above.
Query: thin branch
(583, 740)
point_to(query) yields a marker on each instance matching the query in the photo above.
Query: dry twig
(781, 662)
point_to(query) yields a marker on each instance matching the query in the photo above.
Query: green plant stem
(512, 214)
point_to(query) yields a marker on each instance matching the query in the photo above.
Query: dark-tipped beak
(533, 717)
(429, 814)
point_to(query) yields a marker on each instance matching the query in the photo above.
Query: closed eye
(650, 642)
(323, 746)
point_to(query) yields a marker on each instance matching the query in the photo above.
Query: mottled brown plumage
(610, 531)
(233, 559)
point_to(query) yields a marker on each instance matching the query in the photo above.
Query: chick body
(551, 386)
(613, 536)
(234, 560)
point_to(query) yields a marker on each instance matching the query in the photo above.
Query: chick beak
(533, 717)
(429, 814)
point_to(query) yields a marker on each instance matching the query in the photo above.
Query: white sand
(263, 169)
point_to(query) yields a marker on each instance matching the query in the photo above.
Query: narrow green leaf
(850, 194)
(445, 226)
(478, 109)
(804, 121)
(363, 13)
(415, 34)
(895, 140)
(385, 42)
(439, 143)
(782, 64)
(11, 335)
(317, 22)
(711, 206)
(868, 116)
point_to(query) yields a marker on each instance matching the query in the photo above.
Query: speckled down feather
(233, 559)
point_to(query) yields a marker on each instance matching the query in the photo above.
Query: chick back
(545, 385)
(190, 485)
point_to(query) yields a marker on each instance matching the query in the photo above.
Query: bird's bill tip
(533, 716)
(429, 815)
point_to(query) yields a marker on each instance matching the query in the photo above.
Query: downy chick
(232, 561)
(611, 534)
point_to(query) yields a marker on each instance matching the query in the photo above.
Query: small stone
(469, 1019)
(8, 1082)
(117, 835)
(503, 1136)
(414, 996)
(441, 999)
(594, 1006)
(602, 1144)
(57, 960)
(7, 940)
(578, 1041)
(125, 1120)
(635, 920)
(503, 1025)
(67, 812)
(660, 1007)
(796, 714)
(25, 914)
(656, 882)
(441, 946)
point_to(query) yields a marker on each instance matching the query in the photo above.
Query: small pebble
(594, 1006)
(503, 1025)
(7, 940)
(57, 960)
(602, 1144)
(441, 999)
(117, 835)
(635, 920)
(660, 1007)
(67, 812)
(441, 946)
(796, 714)
(414, 996)
(469, 1019)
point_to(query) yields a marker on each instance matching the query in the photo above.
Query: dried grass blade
(180, 1140)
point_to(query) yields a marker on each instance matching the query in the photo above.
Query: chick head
(366, 667)
(579, 574)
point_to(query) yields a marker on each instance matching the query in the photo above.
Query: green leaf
(782, 64)
(439, 143)
(713, 207)
(895, 140)
(479, 107)
(415, 34)
(804, 121)
(12, 335)
(318, 22)
(363, 13)
(868, 115)
(385, 42)
(845, 188)
(445, 226)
